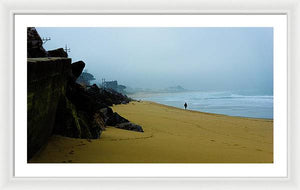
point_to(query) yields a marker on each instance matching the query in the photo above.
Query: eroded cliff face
(46, 85)
(56, 104)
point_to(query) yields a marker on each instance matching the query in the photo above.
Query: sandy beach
(171, 135)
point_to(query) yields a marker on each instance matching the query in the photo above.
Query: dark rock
(60, 52)
(106, 113)
(34, 44)
(130, 126)
(46, 84)
(77, 68)
(115, 119)
(81, 99)
(98, 125)
(80, 118)
(67, 120)
(107, 97)
(85, 123)
(74, 123)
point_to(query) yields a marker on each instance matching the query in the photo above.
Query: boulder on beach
(130, 126)
(115, 119)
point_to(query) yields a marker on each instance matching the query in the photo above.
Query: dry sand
(171, 135)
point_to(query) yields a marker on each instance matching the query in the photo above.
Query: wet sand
(171, 135)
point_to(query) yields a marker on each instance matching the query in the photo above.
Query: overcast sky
(195, 58)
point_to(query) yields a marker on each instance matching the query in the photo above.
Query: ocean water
(228, 103)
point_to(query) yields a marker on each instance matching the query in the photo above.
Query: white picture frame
(7, 11)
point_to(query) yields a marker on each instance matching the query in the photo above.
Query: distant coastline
(171, 89)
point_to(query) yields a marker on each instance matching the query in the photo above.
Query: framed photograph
(156, 95)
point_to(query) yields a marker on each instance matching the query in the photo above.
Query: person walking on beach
(185, 105)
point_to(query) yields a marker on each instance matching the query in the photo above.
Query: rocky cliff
(46, 84)
(56, 104)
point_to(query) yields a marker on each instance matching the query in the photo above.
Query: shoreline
(171, 135)
(173, 107)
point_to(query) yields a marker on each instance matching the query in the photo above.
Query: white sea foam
(257, 106)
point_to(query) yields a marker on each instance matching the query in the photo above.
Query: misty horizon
(196, 58)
